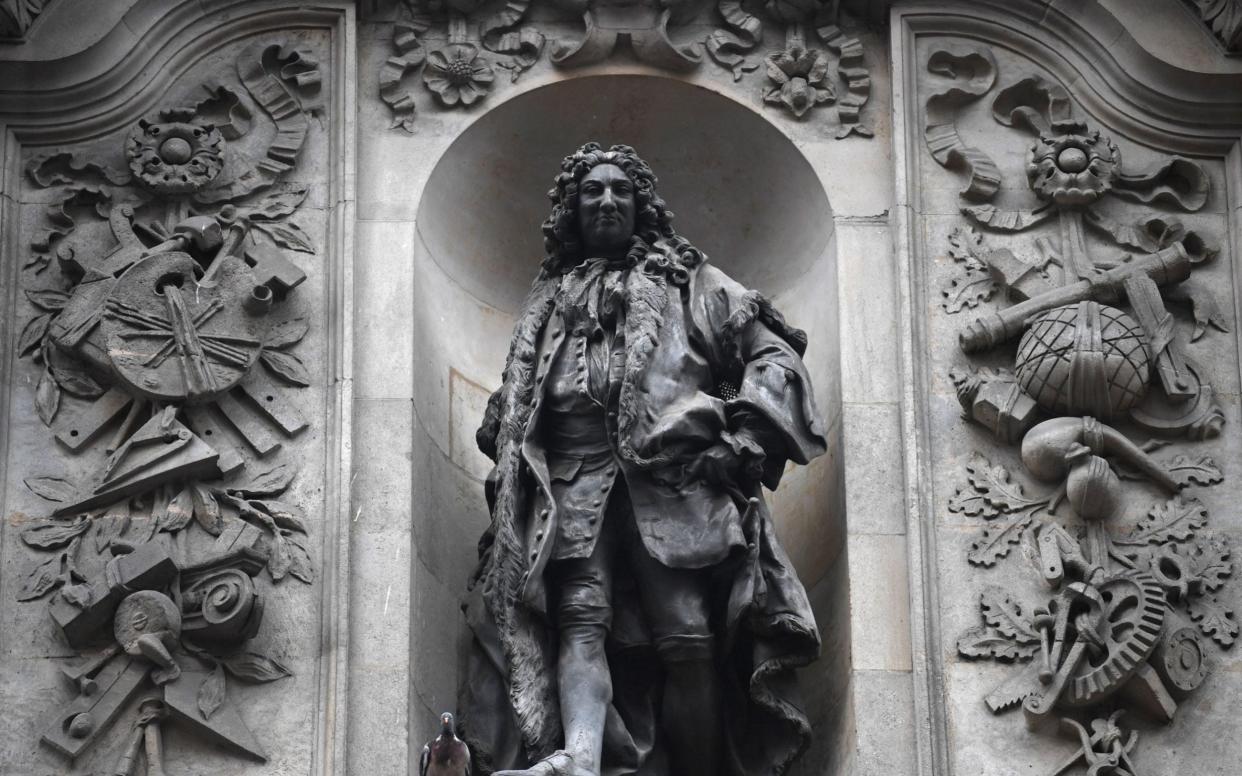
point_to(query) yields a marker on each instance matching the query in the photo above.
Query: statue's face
(606, 210)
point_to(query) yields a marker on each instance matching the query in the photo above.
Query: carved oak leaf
(278, 557)
(982, 641)
(991, 491)
(52, 534)
(965, 242)
(1185, 469)
(1210, 559)
(1175, 520)
(1214, 618)
(287, 367)
(47, 397)
(271, 482)
(50, 488)
(286, 234)
(996, 541)
(1003, 613)
(287, 333)
(58, 570)
(968, 292)
(32, 334)
(255, 668)
(211, 693)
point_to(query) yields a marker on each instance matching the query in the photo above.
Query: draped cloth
(683, 331)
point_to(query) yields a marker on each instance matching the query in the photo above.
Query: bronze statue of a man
(632, 611)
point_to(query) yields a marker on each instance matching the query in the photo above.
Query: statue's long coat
(687, 331)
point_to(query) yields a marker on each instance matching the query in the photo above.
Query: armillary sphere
(1133, 611)
(173, 339)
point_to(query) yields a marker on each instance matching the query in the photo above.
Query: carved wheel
(1134, 609)
(1182, 663)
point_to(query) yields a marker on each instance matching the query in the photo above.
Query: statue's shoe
(559, 763)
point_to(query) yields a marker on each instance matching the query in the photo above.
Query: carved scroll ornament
(172, 353)
(1133, 599)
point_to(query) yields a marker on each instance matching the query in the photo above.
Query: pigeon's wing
(425, 760)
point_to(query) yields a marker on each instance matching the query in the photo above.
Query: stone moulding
(111, 85)
(1120, 86)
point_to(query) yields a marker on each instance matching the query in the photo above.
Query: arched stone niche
(742, 191)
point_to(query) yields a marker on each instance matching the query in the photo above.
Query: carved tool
(1170, 265)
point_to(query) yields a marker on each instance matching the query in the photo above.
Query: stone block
(879, 602)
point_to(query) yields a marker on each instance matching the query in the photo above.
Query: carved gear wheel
(1134, 613)
(1181, 661)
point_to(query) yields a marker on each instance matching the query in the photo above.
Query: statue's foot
(559, 763)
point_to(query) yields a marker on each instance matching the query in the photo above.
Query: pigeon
(446, 755)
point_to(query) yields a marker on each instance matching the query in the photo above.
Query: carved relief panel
(1075, 290)
(174, 438)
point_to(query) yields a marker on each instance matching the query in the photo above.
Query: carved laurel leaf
(52, 534)
(211, 693)
(271, 482)
(178, 513)
(43, 578)
(110, 528)
(50, 488)
(48, 299)
(76, 382)
(968, 291)
(1211, 562)
(207, 510)
(287, 367)
(283, 514)
(1214, 618)
(1176, 520)
(278, 204)
(300, 566)
(278, 557)
(255, 668)
(32, 334)
(982, 641)
(995, 541)
(47, 398)
(286, 234)
(1003, 613)
(287, 333)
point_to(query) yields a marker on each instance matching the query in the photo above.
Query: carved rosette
(1108, 521)
(167, 357)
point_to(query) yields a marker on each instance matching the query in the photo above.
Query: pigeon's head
(446, 723)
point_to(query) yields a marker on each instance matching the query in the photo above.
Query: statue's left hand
(734, 460)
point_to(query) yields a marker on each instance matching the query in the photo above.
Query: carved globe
(1084, 359)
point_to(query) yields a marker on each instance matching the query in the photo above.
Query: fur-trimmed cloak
(688, 332)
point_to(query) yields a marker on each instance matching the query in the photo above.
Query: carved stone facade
(261, 260)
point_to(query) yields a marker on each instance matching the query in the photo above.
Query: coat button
(543, 514)
(539, 536)
(534, 555)
(546, 356)
(597, 503)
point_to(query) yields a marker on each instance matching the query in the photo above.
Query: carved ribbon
(411, 54)
(728, 48)
(267, 86)
(857, 79)
(1032, 103)
(977, 71)
(501, 35)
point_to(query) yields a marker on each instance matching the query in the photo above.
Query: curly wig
(652, 223)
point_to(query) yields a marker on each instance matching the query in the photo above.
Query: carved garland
(1121, 636)
(800, 76)
(160, 351)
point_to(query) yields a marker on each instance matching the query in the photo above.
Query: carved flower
(800, 77)
(457, 74)
(1072, 165)
(175, 155)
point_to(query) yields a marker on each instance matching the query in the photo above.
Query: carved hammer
(1171, 265)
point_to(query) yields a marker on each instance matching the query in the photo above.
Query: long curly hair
(653, 222)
